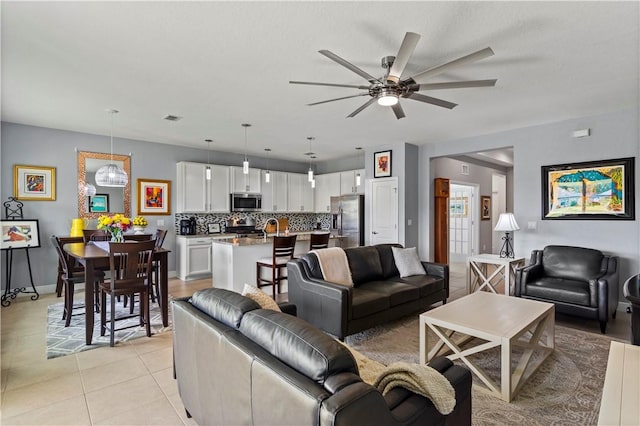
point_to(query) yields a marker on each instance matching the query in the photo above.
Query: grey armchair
(579, 281)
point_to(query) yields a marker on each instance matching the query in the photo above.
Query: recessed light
(358, 148)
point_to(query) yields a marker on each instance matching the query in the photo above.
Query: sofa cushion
(226, 306)
(386, 260)
(398, 293)
(260, 297)
(407, 261)
(298, 344)
(560, 290)
(427, 284)
(365, 302)
(364, 263)
(574, 263)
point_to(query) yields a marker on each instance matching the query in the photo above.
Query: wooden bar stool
(283, 248)
(319, 241)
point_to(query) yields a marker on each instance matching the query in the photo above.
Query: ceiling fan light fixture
(387, 98)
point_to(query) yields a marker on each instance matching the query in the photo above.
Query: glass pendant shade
(313, 183)
(310, 175)
(207, 170)
(111, 175)
(86, 189)
(245, 163)
(245, 167)
(358, 179)
(267, 176)
(207, 173)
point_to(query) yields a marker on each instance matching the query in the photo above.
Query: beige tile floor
(129, 384)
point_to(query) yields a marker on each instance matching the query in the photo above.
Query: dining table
(95, 255)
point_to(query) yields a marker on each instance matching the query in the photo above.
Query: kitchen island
(234, 259)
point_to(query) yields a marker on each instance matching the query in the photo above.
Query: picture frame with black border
(19, 234)
(382, 164)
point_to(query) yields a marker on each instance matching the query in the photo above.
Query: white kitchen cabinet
(275, 192)
(196, 194)
(194, 257)
(245, 183)
(349, 184)
(300, 193)
(327, 186)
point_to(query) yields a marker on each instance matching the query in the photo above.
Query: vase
(117, 236)
(139, 230)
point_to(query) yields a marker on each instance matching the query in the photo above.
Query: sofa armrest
(322, 303)
(438, 270)
(604, 290)
(288, 308)
(525, 275)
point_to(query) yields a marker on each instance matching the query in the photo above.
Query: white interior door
(384, 210)
(462, 220)
(498, 205)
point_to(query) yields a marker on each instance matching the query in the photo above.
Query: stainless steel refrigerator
(347, 219)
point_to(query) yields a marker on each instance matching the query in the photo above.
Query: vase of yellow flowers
(116, 225)
(139, 223)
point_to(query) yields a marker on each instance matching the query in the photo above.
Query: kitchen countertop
(233, 235)
(242, 242)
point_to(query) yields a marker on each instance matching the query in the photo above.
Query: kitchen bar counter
(234, 259)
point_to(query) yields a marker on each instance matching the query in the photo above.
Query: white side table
(478, 277)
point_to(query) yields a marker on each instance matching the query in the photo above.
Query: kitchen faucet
(267, 222)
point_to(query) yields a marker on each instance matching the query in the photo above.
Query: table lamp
(507, 223)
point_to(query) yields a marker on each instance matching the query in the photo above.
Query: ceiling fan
(388, 89)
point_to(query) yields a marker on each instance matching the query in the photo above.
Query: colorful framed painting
(99, 203)
(19, 234)
(590, 190)
(458, 206)
(485, 207)
(382, 164)
(34, 183)
(154, 197)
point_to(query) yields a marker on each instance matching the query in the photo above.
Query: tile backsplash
(297, 221)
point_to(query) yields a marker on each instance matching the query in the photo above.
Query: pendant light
(111, 175)
(267, 175)
(358, 177)
(87, 189)
(310, 172)
(245, 163)
(313, 180)
(207, 171)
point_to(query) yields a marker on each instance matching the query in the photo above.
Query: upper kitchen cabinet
(245, 183)
(349, 183)
(197, 194)
(327, 186)
(300, 193)
(274, 192)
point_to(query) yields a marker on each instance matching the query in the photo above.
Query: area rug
(566, 389)
(63, 340)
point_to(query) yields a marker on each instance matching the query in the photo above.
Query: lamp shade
(507, 222)
(111, 175)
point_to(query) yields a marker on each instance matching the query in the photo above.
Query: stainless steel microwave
(246, 202)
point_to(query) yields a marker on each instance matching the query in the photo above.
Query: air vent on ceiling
(170, 117)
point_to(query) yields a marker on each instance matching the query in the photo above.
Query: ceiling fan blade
(453, 85)
(402, 58)
(339, 99)
(398, 111)
(348, 65)
(430, 100)
(431, 72)
(366, 104)
(329, 84)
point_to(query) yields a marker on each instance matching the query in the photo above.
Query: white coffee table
(498, 320)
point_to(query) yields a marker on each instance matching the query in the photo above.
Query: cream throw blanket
(419, 379)
(334, 265)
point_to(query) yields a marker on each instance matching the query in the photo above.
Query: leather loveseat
(237, 364)
(379, 294)
(579, 281)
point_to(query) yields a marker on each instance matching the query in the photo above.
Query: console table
(620, 404)
(478, 276)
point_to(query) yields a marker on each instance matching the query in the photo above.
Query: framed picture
(99, 203)
(154, 197)
(458, 206)
(590, 190)
(19, 234)
(485, 207)
(213, 228)
(382, 164)
(34, 183)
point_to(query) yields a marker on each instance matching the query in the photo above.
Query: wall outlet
(160, 222)
(532, 225)
(409, 222)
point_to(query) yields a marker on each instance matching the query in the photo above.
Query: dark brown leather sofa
(379, 294)
(578, 281)
(238, 364)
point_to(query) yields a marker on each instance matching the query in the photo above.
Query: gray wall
(613, 135)
(40, 146)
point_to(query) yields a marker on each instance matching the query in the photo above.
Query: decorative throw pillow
(260, 297)
(407, 261)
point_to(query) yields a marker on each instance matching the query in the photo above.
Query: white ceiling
(220, 64)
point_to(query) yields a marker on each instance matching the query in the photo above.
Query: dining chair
(72, 275)
(283, 248)
(73, 264)
(129, 274)
(319, 241)
(159, 239)
(95, 235)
